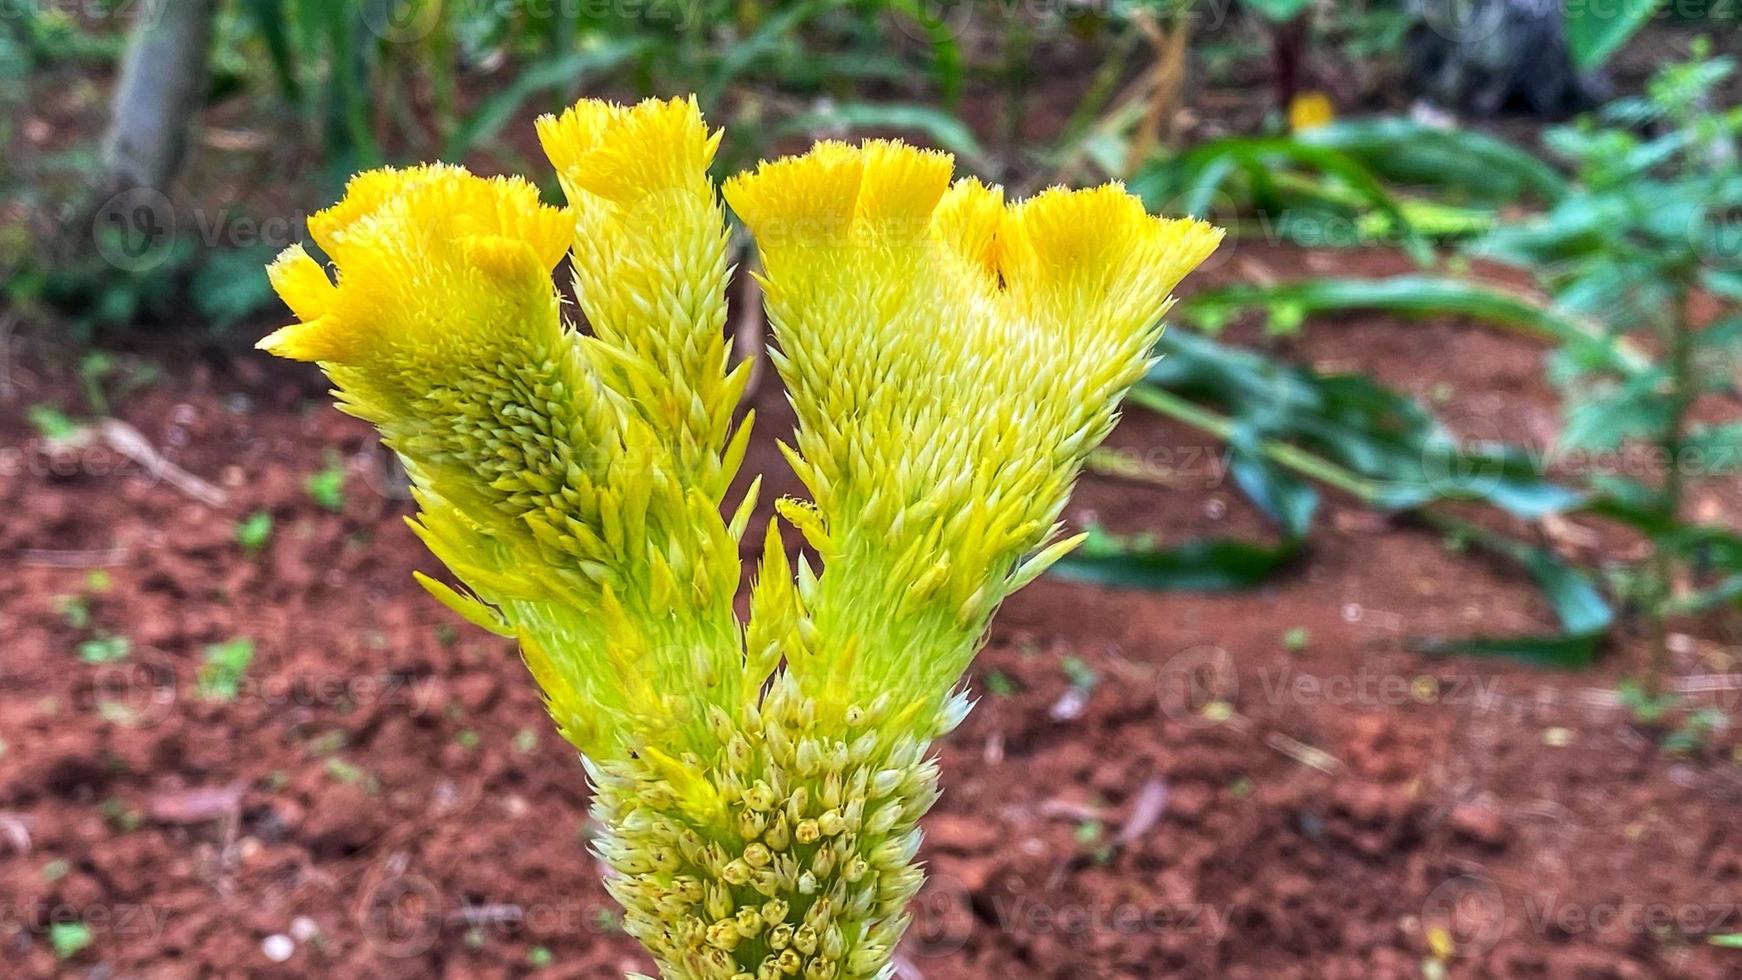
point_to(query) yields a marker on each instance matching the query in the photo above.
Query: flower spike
(952, 358)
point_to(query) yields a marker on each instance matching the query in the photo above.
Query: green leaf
(1288, 501)
(741, 58)
(1279, 11)
(270, 21)
(230, 286)
(940, 128)
(253, 531)
(51, 423)
(326, 486)
(1595, 31)
(220, 676)
(1211, 565)
(1554, 649)
(1207, 171)
(69, 939)
(1474, 164)
(946, 53)
(1585, 616)
(1404, 454)
(1414, 296)
(104, 649)
(547, 73)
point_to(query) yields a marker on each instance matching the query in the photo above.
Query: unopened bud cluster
(799, 864)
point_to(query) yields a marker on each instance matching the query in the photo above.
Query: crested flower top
(952, 359)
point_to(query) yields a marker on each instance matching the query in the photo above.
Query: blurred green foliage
(1637, 210)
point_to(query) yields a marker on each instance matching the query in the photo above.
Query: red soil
(387, 773)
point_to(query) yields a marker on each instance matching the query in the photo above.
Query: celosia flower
(952, 360)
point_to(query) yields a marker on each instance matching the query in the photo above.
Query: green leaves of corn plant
(1355, 182)
(1288, 428)
(1193, 180)
(1208, 565)
(1584, 615)
(1462, 163)
(1400, 456)
(1407, 296)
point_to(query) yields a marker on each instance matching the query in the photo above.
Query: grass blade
(940, 128)
(1209, 565)
(543, 75)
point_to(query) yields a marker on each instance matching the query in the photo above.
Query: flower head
(951, 359)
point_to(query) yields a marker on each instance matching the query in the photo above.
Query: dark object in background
(163, 83)
(1489, 57)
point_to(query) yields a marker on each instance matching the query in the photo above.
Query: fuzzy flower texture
(952, 358)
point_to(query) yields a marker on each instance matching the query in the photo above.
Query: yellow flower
(952, 359)
(1310, 110)
(572, 482)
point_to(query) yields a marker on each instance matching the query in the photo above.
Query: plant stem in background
(162, 86)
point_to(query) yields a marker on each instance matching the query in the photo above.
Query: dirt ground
(381, 795)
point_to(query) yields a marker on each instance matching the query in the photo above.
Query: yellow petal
(795, 200)
(900, 186)
(320, 339)
(622, 154)
(301, 282)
